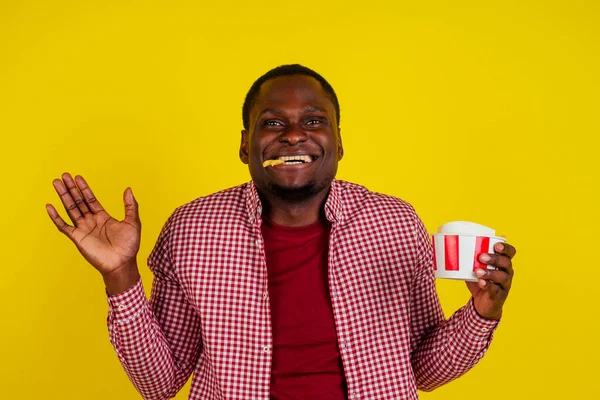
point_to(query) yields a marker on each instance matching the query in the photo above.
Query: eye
(315, 121)
(272, 122)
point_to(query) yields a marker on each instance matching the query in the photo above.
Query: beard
(298, 194)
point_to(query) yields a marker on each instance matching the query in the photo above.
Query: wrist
(122, 278)
(490, 317)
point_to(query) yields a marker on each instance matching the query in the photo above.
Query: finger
(131, 207)
(492, 288)
(65, 197)
(59, 222)
(88, 195)
(75, 194)
(498, 277)
(498, 261)
(506, 249)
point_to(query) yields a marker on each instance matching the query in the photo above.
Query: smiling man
(292, 286)
(292, 118)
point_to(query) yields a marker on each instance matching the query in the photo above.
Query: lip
(293, 166)
(276, 156)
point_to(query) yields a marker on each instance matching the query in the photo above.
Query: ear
(340, 148)
(244, 147)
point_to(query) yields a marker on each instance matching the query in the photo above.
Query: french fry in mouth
(271, 163)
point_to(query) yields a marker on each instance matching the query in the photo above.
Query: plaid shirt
(209, 308)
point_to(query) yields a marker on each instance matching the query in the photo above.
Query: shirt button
(344, 344)
(120, 307)
(266, 349)
(484, 329)
(265, 295)
(257, 242)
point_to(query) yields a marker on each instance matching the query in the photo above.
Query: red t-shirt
(306, 358)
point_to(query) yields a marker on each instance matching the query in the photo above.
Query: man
(292, 286)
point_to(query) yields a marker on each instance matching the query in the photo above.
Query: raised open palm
(105, 243)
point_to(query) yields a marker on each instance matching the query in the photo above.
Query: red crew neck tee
(306, 361)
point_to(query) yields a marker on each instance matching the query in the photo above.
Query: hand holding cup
(471, 252)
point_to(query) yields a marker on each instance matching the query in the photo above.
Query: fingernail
(480, 272)
(483, 283)
(499, 246)
(485, 258)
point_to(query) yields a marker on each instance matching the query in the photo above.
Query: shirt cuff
(476, 325)
(127, 304)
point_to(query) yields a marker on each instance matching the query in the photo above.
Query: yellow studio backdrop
(482, 111)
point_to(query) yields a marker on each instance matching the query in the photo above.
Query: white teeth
(304, 159)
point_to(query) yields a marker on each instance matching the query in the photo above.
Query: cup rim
(469, 234)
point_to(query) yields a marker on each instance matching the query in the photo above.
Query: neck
(294, 213)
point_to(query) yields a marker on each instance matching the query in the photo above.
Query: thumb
(473, 287)
(131, 207)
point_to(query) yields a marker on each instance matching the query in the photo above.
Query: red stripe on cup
(434, 257)
(481, 246)
(451, 252)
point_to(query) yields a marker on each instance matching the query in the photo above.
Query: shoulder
(358, 201)
(217, 206)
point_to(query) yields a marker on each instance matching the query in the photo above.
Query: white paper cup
(457, 247)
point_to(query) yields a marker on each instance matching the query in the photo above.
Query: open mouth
(294, 160)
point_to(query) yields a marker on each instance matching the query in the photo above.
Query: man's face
(292, 117)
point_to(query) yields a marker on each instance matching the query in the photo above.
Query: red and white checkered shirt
(209, 308)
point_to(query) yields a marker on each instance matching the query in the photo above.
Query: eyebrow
(313, 109)
(271, 111)
(280, 111)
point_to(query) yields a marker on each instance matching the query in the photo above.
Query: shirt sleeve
(442, 350)
(157, 341)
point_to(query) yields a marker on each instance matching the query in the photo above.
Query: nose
(293, 135)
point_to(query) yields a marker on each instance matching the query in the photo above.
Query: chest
(226, 271)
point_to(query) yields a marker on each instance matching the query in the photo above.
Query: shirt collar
(253, 202)
(333, 205)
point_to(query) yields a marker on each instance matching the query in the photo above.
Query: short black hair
(286, 70)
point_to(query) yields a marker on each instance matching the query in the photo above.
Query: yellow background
(476, 110)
